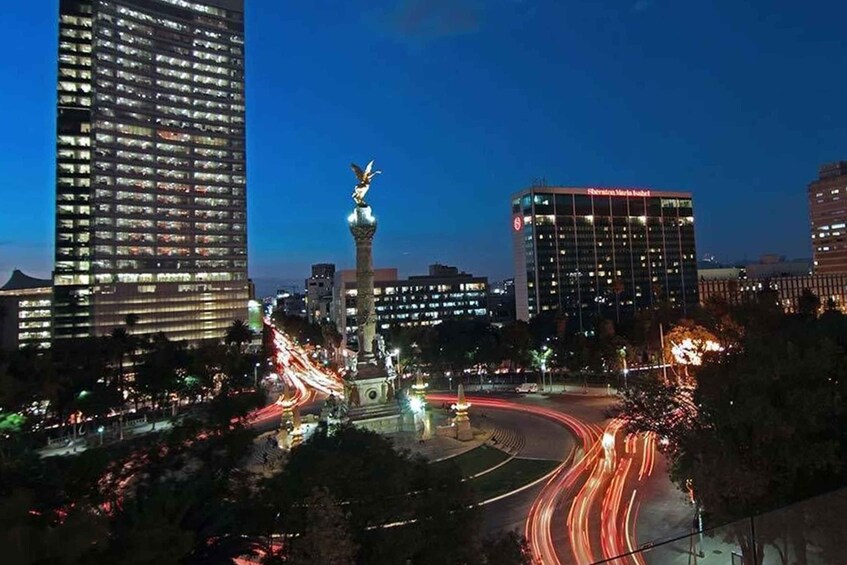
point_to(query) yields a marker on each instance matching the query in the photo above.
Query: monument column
(368, 391)
(363, 228)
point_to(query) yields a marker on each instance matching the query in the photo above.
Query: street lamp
(256, 375)
(622, 353)
(100, 431)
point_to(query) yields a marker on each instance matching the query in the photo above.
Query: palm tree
(123, 344)
(238, 333)
(618, 288)
(130, 320)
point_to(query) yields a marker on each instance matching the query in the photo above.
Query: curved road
(587, 509)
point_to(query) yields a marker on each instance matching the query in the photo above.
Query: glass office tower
(590, 253)
(150, 168)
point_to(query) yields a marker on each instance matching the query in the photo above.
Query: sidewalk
(92, 439)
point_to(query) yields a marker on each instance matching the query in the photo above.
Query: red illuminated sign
(517, 223)
(618, 192)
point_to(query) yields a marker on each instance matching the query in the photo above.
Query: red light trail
(597, 488)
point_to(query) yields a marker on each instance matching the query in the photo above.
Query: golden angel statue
(365, 178)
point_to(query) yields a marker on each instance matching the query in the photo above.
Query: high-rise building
(319, 293)
(25, 312)
(150, 168)
(589, 253)
(828, 215)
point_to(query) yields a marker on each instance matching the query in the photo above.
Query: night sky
(463, 102)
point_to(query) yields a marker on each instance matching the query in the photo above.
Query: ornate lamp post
(287, 427)
(462, 421)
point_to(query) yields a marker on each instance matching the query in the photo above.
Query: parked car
(527, 387)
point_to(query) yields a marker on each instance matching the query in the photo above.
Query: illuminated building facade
(319, 292)
(422, 300)
(150, 168)
(830, 288)
(590, 253)
(26, 307)
(828, 215)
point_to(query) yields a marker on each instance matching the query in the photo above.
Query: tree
(808, 304)
(332, 339)
(758, 426)
(326, 537)
(509, 549)
(688, 345)
(299, 328)
(162, 364)
(516, 342)
(618, 288)
(377, 485)
(238, 333)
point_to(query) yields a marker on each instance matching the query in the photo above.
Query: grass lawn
(476, 460)
(514, 474)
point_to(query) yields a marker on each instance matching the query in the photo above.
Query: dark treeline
(99, 378)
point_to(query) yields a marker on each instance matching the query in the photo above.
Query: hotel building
(828, 216)
(150, 168)
(601, 252)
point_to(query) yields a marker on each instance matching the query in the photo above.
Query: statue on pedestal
(365, 177)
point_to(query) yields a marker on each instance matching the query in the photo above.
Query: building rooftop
(643, 192)
(21, 281)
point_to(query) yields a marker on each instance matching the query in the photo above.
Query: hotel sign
(618, 192)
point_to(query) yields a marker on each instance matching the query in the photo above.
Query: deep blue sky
(463, 102)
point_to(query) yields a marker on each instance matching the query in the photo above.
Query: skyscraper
(150, 167)
(588, 253)
(828, 215)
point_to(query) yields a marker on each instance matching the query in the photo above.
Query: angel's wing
(368, 168)
(359, 174)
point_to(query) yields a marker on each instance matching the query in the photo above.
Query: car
(527, 387)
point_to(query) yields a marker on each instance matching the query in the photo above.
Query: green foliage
(299, 328)
(238, 333)
(11, 423)
(759, 425)
(359, 475)
(326, 537)
(509, 549)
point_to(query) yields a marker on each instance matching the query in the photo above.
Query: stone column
(363, 228)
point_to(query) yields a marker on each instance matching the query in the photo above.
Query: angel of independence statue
(365, 177)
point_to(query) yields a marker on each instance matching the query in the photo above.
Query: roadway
(590, 508)
(606, 499)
